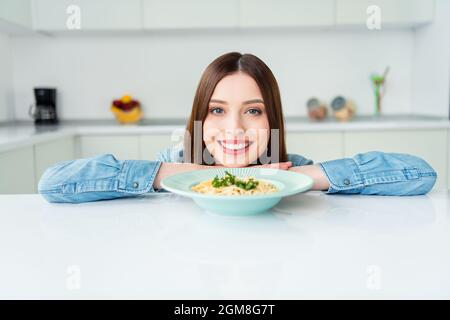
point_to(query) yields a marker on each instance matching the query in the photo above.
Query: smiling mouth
(234, 146)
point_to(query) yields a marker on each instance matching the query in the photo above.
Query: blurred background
(84, 77)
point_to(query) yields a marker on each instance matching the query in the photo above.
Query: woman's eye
(216, 110)
(254, 111)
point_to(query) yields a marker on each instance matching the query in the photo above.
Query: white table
(163, 246)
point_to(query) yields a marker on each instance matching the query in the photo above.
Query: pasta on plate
(231, 185)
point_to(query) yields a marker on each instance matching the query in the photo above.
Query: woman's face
(236, 130)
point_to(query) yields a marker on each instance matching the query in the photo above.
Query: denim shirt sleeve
(379, 173)
(170, 154)
(98, 178)
(298, 160)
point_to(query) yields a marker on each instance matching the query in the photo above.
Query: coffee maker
(43, 111)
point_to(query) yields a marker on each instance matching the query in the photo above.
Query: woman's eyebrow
(253, 101)
(217, 101)
(245, 102)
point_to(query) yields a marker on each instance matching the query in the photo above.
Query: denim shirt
(104, 177)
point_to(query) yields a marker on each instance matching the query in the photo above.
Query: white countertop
(163, 246)
(13, 136)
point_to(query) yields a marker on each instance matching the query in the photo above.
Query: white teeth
(235, 146)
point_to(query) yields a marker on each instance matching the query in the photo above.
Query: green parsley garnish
(229, 180)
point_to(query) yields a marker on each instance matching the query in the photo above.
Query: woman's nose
(234, 123)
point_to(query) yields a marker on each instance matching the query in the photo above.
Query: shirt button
(135, 185)
(346, 182)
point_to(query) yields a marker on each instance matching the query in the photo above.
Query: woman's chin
(235, 163)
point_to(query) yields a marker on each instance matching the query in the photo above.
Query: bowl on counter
(287, 183)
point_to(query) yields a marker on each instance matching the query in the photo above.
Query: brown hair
(222, 66)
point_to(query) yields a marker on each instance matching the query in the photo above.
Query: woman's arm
(372, 173)
(104, 177)
(99, 178)
(316, 173)
(168, 169)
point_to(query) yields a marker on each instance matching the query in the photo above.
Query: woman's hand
(315, 172)
(279, 165)
(167, 169)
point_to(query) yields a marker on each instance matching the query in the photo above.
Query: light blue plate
(287, 183)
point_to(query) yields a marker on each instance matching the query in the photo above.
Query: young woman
(236, 120)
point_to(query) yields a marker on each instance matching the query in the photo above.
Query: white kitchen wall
(431, 73)
(162, 69)
(6, 91)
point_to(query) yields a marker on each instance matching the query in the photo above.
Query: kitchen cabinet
(49, 153)
(126, 147)
(431, 145)
(123, 147)
(16, 12)
(317, 146)
(173, 14)
(286, 13)
(392, 12)
(53, 15)
(448, 159)
(150, 145)
(17, 171)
